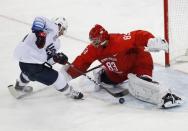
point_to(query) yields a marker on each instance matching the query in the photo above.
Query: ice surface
(49, 110)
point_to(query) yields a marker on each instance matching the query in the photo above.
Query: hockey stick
(116, 94)
(93, 68)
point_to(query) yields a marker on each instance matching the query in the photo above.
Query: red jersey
(118, 56)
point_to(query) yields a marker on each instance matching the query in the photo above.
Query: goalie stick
(115, 94)
(93, 68)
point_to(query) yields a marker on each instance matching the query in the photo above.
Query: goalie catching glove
(60, 58)
(157, 44)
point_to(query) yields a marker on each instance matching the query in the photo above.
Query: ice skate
(19, 91)
(75, 94)
(26, 89)
(171, 100)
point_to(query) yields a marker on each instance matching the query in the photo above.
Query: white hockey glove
(157, 44)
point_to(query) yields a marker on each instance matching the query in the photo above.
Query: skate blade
(170, 105)
(16, 94)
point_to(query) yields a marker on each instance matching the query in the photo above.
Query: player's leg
(48, 76)
(144, 88)
(61, 81)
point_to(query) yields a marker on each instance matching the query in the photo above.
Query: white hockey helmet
(62, 22)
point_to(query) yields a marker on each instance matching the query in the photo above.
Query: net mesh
(178, 30)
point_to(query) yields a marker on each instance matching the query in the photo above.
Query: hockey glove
(60, 58)
(41, 39)
(157, 44)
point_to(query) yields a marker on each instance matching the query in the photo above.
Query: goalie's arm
(83, 61)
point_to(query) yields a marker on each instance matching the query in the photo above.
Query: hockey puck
(121, 100)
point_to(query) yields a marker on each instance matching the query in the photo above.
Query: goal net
(176, 30)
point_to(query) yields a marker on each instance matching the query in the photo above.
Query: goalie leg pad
(146, 91)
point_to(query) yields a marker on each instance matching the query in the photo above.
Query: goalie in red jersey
(126, 57)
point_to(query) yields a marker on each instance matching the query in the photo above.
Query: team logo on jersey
(50, 51)
(127, 36)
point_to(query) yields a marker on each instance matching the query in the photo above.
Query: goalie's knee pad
(97, 77)
(97, 74)
(60, 83)
(101, 78)
(100, 75)
(144, 90)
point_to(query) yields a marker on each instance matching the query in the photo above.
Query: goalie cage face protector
(98, 35)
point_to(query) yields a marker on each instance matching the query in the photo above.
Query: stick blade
(116, 92)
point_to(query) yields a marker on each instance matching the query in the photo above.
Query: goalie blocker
(150, 91)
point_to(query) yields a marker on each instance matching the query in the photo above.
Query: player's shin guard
(71, 92)
(152, 92)
(61, 85)
(64, 72)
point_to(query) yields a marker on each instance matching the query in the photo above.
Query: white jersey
(28, 52)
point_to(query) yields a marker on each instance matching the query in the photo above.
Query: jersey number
(127, 36)
(111, 66)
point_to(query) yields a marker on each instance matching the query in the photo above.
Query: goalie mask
(98, 36)
(62, 23)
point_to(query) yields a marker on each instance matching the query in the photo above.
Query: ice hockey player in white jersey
(36, 54)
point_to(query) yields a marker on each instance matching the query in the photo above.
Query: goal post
(176, 30)
(166, 31)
